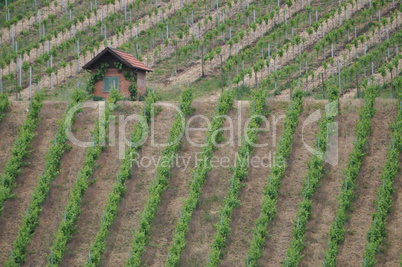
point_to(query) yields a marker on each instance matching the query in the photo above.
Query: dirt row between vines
(56, 201)
(368, 182)
(101, 184)
(244, 217)
(15, 208)
(280, 229)
(325, 200)
(201, 226)
(9, 129)
(181, 175)
(118, 244)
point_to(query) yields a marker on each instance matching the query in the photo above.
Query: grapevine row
(54, 26)
(239, 174)
(21, 150)
(110, 212)
(356, 156)
(52, 168)
(199, 175)
(289, 69)
(272, 60)
(378, 231)
(4, 103)
(379, 52)
(161, 180)
(312, 181)
(269, 200)
(73, 208)
(363, 128)
(57, 54)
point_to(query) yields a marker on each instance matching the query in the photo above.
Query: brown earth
(56, 201)
(118, 244)
(101, 184)
(280, 229)
(201, 227)
(172, 200)
(325, 200)
(243, 217)
(368, 181)
(15, 208)
(9, 129)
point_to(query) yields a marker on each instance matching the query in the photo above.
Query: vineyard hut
(113, 68)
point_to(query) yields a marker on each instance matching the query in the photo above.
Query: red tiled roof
(125, 57)
(131, 60)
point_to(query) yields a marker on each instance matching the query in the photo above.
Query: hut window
(111, 82)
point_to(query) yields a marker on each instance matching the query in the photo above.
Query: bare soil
(56, 201)
(244, 217)
(280, 230)
(172, 200)
(392, 249)
(201, 227)
(9, 128)
(118, 244)
(325, 200)
(368, 181)
(101, 184)
(14, 209)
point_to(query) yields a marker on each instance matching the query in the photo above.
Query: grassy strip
(52, 168)
(110, 212)
(199, 174)
(21, 150)
(73, 209)
(4, 103)
(239, 174)
(378, 231)
(268, 207)
(312, 181)
(161, 180)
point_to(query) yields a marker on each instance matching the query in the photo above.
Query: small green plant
(3, 104)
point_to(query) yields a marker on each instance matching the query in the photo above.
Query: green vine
(96, 76)
(119, 66)
(131, 76)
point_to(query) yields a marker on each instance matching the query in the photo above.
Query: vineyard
(270, 133)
